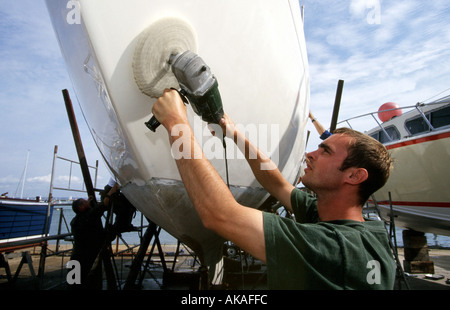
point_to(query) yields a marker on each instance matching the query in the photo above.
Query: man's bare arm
(210, 196)
(264, 169)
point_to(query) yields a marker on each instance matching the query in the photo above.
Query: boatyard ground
(436, 281)
(55, 272)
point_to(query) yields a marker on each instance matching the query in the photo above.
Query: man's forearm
(264, 169)
(204, 185)
(212, 199)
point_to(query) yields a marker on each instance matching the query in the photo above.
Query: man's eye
(326, 151)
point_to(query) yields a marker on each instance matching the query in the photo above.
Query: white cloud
(39, 179)
(9, 179)
(73, 179)
(61, 178)
(43, 179)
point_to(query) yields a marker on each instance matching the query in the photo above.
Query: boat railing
(71, 177)
(418, 106)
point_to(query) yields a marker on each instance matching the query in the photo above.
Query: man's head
(80, 205)
(349, 152)
(366, 152)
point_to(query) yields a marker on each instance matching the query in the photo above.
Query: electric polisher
(198, 87)
(165, 51)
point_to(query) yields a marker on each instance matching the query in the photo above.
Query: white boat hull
(419, 184)
(256, 49)
(427, 219)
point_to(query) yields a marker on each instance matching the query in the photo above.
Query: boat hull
(435, 220)
(257, 52)
(418, 184)
(23, 220)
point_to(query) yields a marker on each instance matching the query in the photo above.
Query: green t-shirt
(310, 254)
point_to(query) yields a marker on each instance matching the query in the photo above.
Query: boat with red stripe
(418, 138)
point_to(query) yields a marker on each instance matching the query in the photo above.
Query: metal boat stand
(152, 230)
(400, 274)
(26, 258)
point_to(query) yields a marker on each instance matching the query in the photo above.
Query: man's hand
(227, 126)
(169, 109)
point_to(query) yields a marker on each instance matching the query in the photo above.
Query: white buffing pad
(155, 45)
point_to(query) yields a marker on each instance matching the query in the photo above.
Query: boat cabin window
(392, 131)
(417, 126)
(438, 118)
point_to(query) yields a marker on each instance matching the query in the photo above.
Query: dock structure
(182, 270)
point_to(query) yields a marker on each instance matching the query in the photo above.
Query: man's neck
(338, 208)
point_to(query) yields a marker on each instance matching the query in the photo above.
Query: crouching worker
(330, 245)
(122, 208)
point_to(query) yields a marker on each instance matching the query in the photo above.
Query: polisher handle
(152, 124)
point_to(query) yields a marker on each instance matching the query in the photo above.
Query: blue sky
(33, 115)
(384, 51)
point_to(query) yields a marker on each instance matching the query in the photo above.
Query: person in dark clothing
(122, 208)
(89, 237)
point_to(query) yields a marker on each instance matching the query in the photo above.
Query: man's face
(323, 165)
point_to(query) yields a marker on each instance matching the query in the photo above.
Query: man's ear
(357, 175)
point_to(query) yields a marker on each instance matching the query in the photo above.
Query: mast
(24, 176)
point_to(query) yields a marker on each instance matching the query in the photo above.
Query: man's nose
(310, 155)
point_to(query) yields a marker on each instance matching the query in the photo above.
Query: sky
(384, 50)
(33, 114)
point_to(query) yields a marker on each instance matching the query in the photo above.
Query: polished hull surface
(256, 49)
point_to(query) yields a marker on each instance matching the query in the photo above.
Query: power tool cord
(226, 160)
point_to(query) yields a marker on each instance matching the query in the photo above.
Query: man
(334, 248)
(89, 238)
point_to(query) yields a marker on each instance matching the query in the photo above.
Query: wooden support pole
(337, 105)
(79, 146)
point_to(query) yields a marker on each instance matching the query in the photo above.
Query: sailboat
(257, 52)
